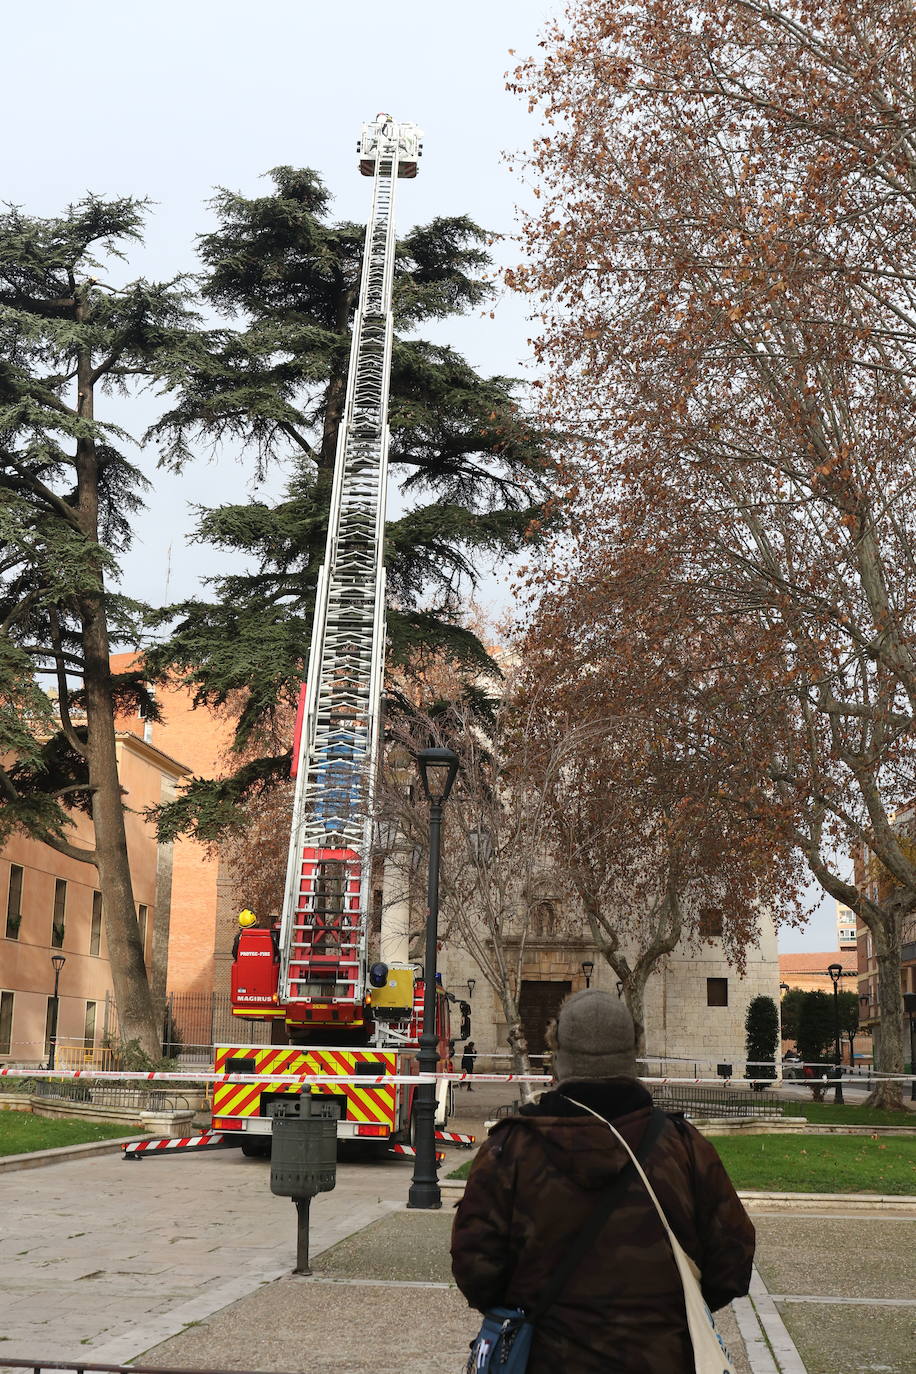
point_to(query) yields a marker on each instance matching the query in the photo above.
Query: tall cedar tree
(725, 251)
(470, 465)
(68, 496)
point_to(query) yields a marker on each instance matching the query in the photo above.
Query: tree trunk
(889, 1043)
(634, 994)
(125, 952)
(159, 959)
(518, 1045)
(128, 971)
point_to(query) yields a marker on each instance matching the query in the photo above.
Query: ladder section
(323, 935)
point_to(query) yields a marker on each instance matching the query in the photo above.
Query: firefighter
(247, 919)
(467, 1061)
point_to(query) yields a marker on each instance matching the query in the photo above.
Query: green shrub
(762, 1027)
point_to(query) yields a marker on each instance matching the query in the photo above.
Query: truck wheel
(258, 1147)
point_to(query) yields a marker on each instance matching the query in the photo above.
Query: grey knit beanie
(595, 1037)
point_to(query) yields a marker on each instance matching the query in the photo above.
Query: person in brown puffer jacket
(537, 1179)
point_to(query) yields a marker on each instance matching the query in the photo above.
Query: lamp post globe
(438, 770)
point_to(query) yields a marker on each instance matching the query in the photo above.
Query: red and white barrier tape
(390, 1079)
(136, 1147)
(411, 1152)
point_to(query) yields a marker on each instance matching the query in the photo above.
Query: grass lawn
(812, 1164)
(20, 1132)
(820, 1164)
(826, 1113)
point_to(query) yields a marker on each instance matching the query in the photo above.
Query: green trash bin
(303, 1160)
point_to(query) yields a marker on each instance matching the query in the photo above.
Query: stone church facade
(695, 1002)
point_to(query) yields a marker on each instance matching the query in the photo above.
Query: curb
(902, 1203)
(39, 1159)
(860, 1201)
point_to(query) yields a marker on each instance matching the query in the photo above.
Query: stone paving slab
(852, 1340)
(407, 1246)
(322, 1328)
(861, 1258)
(102, 1257)
(403, 1313)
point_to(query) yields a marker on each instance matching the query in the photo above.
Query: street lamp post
(57, 963)
(909, 1006)
(588, 968)
(835, 972)
(438, 770)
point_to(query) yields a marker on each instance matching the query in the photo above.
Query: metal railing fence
(193, 1022)
(131, 1099)
(39, 1365)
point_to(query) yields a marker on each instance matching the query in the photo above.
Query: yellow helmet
(247, 918)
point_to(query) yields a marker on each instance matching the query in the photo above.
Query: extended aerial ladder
(314, 970)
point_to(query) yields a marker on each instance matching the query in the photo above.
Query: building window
(717, 992)
(95, 931)
(89, 1026)
(6, 1022)
(49, 1026)
(710, 923)
(58, 920)
(14, 903)
(142, 918)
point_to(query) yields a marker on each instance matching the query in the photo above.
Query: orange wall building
(50, 905)
(200, 739)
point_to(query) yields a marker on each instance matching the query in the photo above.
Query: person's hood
(577, 1143)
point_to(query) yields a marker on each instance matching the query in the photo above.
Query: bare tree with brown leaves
(653, 823)
(497, 860)
(725, 265)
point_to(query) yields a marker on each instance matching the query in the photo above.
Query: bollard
(303, 1160)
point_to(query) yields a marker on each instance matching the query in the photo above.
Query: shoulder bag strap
(586, 1237)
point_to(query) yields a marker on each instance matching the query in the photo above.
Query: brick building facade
(50, 905)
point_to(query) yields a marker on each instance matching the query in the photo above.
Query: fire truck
(333, 1012)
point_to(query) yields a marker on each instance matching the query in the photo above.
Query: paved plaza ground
(187, 1262)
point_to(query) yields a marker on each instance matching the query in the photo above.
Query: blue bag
(503, 1343)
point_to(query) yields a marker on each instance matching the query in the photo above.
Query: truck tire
(256, 1147)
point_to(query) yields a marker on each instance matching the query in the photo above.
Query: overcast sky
(171, 99)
